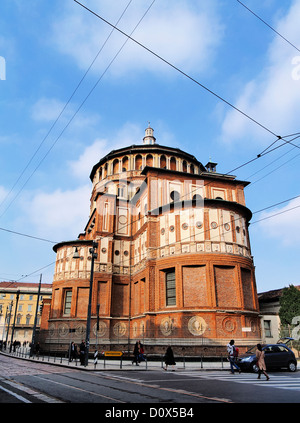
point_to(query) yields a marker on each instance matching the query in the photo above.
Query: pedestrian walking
(136, 353)
(141, 353)
(82, 352)
(169, 358)
(72, 352)
(37, 349)
(232, 354)
(260, 361)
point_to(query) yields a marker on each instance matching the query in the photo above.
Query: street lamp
(76, 255)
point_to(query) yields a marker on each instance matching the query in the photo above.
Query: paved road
(36, 382)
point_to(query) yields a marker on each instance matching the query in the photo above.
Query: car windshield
(252, 350)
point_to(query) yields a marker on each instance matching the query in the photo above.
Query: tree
(289, 305)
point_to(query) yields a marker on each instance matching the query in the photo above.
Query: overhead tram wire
(78, 109)
(180, 199)
(157, 248)
(129, 37)
(26, 235)
(268, 25)
(182, 72)
(63, 109)
(275, 160)
(206, 230)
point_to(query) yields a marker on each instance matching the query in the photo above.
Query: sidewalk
(106, 363)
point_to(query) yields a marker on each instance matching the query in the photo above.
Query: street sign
(113, 353)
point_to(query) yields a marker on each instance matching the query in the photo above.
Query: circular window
(172, 228)
(184, 226)
(214, 225)
(175, 195)
(237, 229)
(227, 226)
(103, 250)
(162, 231)
(199, 225)
(126, 253)
(122, 219)
(117, 252)
(197, 197)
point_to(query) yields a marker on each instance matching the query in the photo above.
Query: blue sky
(47, 155)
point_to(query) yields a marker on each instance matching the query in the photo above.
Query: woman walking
(260, 357)
(169, 359)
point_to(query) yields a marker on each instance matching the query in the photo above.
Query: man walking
(231, 356)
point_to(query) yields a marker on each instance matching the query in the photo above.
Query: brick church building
(173, 264)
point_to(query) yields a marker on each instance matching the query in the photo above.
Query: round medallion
(166, 326)
(197, 325)
(52, 329)
(229, 325)
(119, 329)
(63, 329)
(80, 330)
(102, 329)
(122, 219)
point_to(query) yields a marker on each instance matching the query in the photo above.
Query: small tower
(149, 138)
(211, 166)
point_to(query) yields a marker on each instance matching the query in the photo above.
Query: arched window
(138, 162)
(105, 171)
(125, 164)
(184, 166)
(115, 166)
(173, 163)
(163, 162)
(149, 160)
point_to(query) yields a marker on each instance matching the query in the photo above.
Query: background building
(269, 307)
(173, 263)
(18, 302)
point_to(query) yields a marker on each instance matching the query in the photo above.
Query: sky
(222, 85)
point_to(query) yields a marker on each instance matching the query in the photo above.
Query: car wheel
(292, 366)
(254, 368)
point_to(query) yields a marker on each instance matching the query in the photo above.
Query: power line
(183, 239)
(268, 25)
(57, 119)
(26, 235)
(276, 214)
(182, 72)
(278, 167)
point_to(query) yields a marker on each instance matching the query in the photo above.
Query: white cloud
(183, 33)
(3, 193)
(59, 215)
(273, 97)
(127, 135)
(283, 224)
(63, 214)
(46, 109)
(49, 109)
